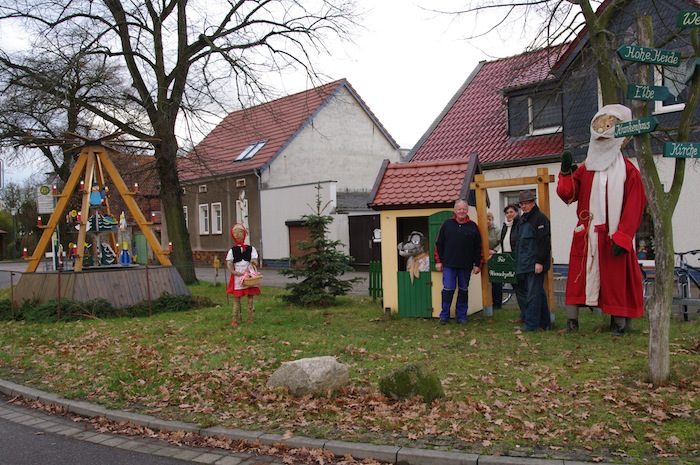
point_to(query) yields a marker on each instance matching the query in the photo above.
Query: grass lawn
(542, 394)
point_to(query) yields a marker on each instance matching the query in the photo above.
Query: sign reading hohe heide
(655, 56)
(636, 126)
(682, 150)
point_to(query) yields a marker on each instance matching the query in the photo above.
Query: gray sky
(406, 64)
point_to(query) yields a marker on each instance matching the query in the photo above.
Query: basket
(254, 279)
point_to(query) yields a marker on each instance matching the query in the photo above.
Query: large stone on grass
(317, 375)
(411, 380)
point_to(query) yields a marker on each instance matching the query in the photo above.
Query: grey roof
(352, 201)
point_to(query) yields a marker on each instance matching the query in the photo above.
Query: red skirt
(255, 290)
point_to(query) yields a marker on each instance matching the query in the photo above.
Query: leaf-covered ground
(581, 396)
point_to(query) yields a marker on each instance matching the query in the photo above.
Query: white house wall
(291, 203)
(341, 143)
(686, 220)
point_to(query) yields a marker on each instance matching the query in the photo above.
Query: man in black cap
(532, 260)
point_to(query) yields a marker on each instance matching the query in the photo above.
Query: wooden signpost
(682, 150)
(655, 56)
(646, 92)
(688, 19)
(636, 127)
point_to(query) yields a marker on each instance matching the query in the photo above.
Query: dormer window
(535, 114)
(251, 150)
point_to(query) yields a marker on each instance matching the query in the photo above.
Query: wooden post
(481, 210)
(542, 180)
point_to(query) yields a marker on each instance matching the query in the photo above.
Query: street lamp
(14, 234)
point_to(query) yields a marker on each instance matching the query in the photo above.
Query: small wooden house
(419, 197)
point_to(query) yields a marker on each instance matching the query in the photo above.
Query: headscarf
(241, 242)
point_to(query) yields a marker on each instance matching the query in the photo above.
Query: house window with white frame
(187, 218)
(535, 115)
(674, 79)
(204, 219)
(216, 220)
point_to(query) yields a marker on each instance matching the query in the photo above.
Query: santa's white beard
(602, 152)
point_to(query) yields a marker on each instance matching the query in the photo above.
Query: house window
(187, 218)
(674, 80)
(204, 219)
(545, 114)
(216, 221)
(251, 150)
(535, 114)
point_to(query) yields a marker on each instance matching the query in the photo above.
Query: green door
(435, 221)
(415, 297)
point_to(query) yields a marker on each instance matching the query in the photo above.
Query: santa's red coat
(620, 276)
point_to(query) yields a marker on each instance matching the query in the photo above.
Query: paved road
(24, 445)
(272, 277)
(32, 437)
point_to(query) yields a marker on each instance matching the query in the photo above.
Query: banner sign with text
(636, 127)
(654, 56)
(502, 268)
(682, 150)
(44, 200)
(645, 92)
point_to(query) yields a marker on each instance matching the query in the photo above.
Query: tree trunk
(661, 209)
(171, 198)
(659, 308)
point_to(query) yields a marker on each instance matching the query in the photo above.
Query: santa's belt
(600, 228)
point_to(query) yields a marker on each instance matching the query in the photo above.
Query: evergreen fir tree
(320, 266)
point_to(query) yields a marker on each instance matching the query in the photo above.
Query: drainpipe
(260, 248)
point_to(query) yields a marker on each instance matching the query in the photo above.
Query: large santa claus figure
(603, 267)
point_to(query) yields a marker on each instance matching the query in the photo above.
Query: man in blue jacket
(532, 261)
(458, 255)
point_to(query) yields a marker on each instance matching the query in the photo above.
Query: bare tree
(43, 97)
(21, 198)
(184, 56)
(563, 21)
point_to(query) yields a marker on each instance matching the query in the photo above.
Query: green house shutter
(435, 221)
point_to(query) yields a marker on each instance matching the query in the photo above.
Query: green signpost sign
(682, 150)
(502, 268)
(655, 56)
(636, 126)
(645, 92)
(689, 18)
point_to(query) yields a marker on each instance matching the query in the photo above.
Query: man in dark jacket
(458, 255)
(532, 261)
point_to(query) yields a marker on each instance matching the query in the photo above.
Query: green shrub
(411, 380)
(100, 308)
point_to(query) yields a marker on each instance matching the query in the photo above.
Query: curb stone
(390, 454)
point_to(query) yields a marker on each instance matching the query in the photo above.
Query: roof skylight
(251, 150)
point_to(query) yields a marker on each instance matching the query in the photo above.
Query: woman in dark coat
(509, 240)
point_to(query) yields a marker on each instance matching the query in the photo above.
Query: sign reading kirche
(682, 150)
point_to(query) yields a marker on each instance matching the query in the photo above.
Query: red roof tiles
(420, 184)
(476, 121)
(276, 122)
